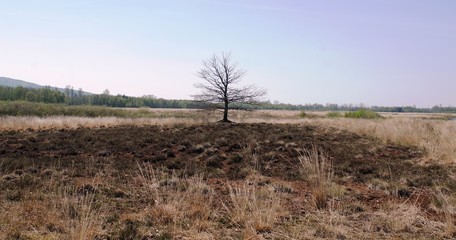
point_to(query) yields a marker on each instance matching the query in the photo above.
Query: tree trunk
(225, 113)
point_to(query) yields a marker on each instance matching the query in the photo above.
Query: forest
(69, 96)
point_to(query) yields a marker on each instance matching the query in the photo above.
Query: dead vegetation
(321, 179)
(430, 132)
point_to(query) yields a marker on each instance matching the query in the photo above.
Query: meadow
(179, 174)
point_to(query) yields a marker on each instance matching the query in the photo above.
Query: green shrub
(302, 114)
(363, 113)
(334, 115)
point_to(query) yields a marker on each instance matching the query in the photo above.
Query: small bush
(302, 114)
(364, 114)
(334, 115)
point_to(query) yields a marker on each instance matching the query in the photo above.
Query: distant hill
(10, 82)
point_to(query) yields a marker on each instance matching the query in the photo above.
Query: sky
(376, 52)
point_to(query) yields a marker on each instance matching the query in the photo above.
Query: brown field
(272, 175)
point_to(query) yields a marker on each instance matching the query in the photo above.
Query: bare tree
(219, 78)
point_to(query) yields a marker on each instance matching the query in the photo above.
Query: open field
(272, 175)
(430, 132)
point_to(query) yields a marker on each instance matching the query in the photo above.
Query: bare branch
(220, 76)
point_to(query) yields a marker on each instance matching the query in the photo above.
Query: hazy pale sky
(376, 52)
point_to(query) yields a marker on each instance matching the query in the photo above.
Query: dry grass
(445, 202)
(164, 117)
(181, 205)
(82, 227)
(165, 205)
(162, 204)
(317, 169)
(436, 137)
(37, 123)
(55, 212)
(393, 221)
(254, 209)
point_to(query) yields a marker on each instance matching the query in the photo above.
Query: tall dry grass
(180, 205)
(49, 123)
(254, 209)
(317, 169)
(436, 137)
(56, 212)
(187, 208)
(82, 225)
(161, 204)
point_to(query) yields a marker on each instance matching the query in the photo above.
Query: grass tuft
(254, 209)
(318, 170)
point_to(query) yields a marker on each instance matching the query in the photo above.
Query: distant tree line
(69, 96)
(352, 107)
(46, 95)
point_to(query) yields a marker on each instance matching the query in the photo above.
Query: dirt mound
(218, 150)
